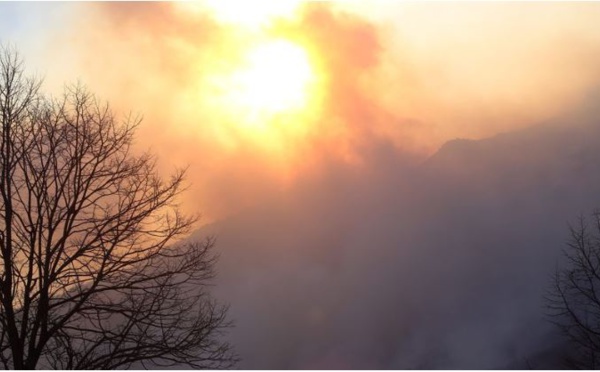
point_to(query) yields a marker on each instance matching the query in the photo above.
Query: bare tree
(93, 270)
(574, 299)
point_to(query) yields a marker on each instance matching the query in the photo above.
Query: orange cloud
(398, 86)
(159, 60)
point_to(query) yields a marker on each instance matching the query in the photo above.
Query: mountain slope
(440, 266)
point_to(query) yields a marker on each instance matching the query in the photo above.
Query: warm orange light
(275, 77)
(252, 14)
(265, 87)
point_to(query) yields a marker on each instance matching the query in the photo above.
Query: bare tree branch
(93, 273)
(574, 299)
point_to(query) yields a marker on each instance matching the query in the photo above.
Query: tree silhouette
(93, 270)
(574, 299)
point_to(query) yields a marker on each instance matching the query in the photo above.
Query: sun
(274, 77)
(264, 86)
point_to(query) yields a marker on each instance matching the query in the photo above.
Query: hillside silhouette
(439, 265)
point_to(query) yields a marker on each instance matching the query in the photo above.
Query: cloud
(401, 84)
(339, 250)
(160, 59)
(389, 266)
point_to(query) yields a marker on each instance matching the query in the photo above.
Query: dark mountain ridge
(442, 266)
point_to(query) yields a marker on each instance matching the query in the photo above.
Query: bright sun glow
(265, 87)
(252, 14)
(275, 77)
(269, 92)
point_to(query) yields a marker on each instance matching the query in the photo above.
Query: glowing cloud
(275, 77)
(253, 14)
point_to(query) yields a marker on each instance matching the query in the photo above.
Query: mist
(415, 219)
(442, 265)
(391, 80)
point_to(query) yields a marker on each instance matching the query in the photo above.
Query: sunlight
(253, 14)
(268, 93)
(274, 77)
(256, 13)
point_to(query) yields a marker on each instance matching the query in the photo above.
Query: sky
(413, 74)
(320, 138)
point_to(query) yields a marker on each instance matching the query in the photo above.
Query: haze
(390, 183)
